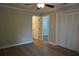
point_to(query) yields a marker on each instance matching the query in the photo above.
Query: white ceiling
(33, 9)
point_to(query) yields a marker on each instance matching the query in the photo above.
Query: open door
(36, 31)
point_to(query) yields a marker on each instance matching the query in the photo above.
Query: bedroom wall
(15, 27)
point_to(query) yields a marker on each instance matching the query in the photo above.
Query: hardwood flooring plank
(32, 50)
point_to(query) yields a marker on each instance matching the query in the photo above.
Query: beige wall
(15, 26)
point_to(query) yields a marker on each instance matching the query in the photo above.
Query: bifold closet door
(75, 40)
(67, 30)
(64, 30)
(61, 30)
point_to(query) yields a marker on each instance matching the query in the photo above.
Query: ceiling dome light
(40, 5)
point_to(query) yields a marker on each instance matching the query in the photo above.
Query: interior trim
(15, 45)
(52, 43)
(24, 10)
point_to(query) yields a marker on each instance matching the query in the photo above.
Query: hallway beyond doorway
(45, 37)
(45, 27)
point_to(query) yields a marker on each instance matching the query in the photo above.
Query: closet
(67, 30)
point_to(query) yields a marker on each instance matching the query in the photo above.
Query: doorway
(45, 27)
(40, 29)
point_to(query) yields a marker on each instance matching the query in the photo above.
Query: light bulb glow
(40, 5)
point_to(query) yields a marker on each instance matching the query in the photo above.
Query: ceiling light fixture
(40, 5)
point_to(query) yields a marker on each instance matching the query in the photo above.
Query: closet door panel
(57, 29)
(68, 30)
(62, 30)
(75, 40)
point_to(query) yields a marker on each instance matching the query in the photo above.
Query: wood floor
(32, 50)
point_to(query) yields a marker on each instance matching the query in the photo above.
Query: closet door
(68, 30)
(64, 30)
(61, 21)
(58, 29)
(75, 40)
(62, 39)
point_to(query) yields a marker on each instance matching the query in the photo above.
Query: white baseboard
(15, 45)
(52, 43)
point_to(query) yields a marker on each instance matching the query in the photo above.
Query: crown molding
(38, 13)
(58, 9)
(20, 9)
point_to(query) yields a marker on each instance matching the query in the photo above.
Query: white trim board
(20, 9)
(52, 43)
(15, 45)
(67, 11)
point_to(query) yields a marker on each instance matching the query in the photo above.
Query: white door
(75, 42)
(57, 29)
(67, 30)
(61, 21)
(36, 27)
